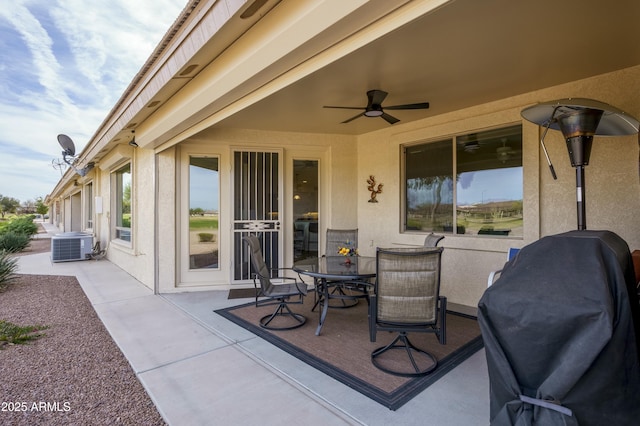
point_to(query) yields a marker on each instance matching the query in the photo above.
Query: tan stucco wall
(138, 258)
(612, 181)
(166, 214)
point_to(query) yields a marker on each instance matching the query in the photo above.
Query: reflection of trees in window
(487, 181)
(123, 203)
(88, 193)
(429, 186)
(126, 198)
(431, 198)
(204, 194)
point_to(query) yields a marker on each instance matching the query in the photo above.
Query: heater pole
(580, 198)
(580, 120)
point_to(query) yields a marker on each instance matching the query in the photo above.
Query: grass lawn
(203, 222)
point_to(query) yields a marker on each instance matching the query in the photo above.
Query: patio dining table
(329, 271)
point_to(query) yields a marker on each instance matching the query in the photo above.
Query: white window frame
(118, 231)
(88, 206)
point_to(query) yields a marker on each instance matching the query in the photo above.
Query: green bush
(13, 242)
(8, 267)
(22, 225)
(206, 237)
(15, 334)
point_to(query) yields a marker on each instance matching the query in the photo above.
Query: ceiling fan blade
(390, 119)
(421, 105)
(376, 97)
(353, 118)
(343, 107)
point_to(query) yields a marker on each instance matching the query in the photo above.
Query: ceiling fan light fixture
(374, 107)
(373, 113)
(503, 153)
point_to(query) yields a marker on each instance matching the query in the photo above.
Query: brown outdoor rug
(343, 350)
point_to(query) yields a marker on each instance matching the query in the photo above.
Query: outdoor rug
(343, 350)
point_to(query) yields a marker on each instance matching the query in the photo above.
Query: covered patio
(200, 368)
(234, 97)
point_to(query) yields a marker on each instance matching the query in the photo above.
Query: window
(123, 208)
(472, 181)
(305, 208)
(204, 195)
(88, 205)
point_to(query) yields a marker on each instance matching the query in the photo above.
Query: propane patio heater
(580, 120)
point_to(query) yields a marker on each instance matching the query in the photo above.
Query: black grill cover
(560, 324)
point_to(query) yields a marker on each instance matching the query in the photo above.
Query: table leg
(323, 299)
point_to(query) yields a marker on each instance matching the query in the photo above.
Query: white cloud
(64, 64)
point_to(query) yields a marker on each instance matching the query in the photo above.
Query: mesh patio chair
(406, 299)
(276, 293)
(347, 292)
(338, 238)
(432, 240)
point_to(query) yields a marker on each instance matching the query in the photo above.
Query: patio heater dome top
(614, 122)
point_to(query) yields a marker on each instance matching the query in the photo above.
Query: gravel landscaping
(73, 375)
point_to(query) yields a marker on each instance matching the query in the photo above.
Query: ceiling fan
(374, 107)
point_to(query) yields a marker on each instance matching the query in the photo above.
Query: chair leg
(282, 310)
(442, 330)
(337, 293)
(402, 342)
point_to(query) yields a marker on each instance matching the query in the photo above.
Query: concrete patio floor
(201, 369)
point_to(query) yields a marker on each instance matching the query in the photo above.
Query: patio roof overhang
(274, 72)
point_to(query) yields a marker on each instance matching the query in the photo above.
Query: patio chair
(432, 240)
(406, 299)
(493, 275)
(275, 293)
(338, 238)
(343, 290)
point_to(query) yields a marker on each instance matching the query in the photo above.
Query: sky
(477, 187)
(63, 66)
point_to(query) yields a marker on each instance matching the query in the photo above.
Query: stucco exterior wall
(137, 259)
(612, 185)
(166, 213)
(612, 181)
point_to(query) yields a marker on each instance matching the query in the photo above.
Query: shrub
(22, 225)
(15, 334)
(8, 267)
(13, 242)
(206, 237)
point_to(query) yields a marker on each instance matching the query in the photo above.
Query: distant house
(231, 107)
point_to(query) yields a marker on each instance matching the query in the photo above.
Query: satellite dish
(67, 145)
(70, 151)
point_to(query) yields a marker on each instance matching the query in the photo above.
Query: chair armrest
(301, 286)
(492, 277)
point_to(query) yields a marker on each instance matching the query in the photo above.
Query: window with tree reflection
(469, 184)
(123, 208)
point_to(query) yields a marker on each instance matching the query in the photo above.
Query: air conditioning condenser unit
(70, 246)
